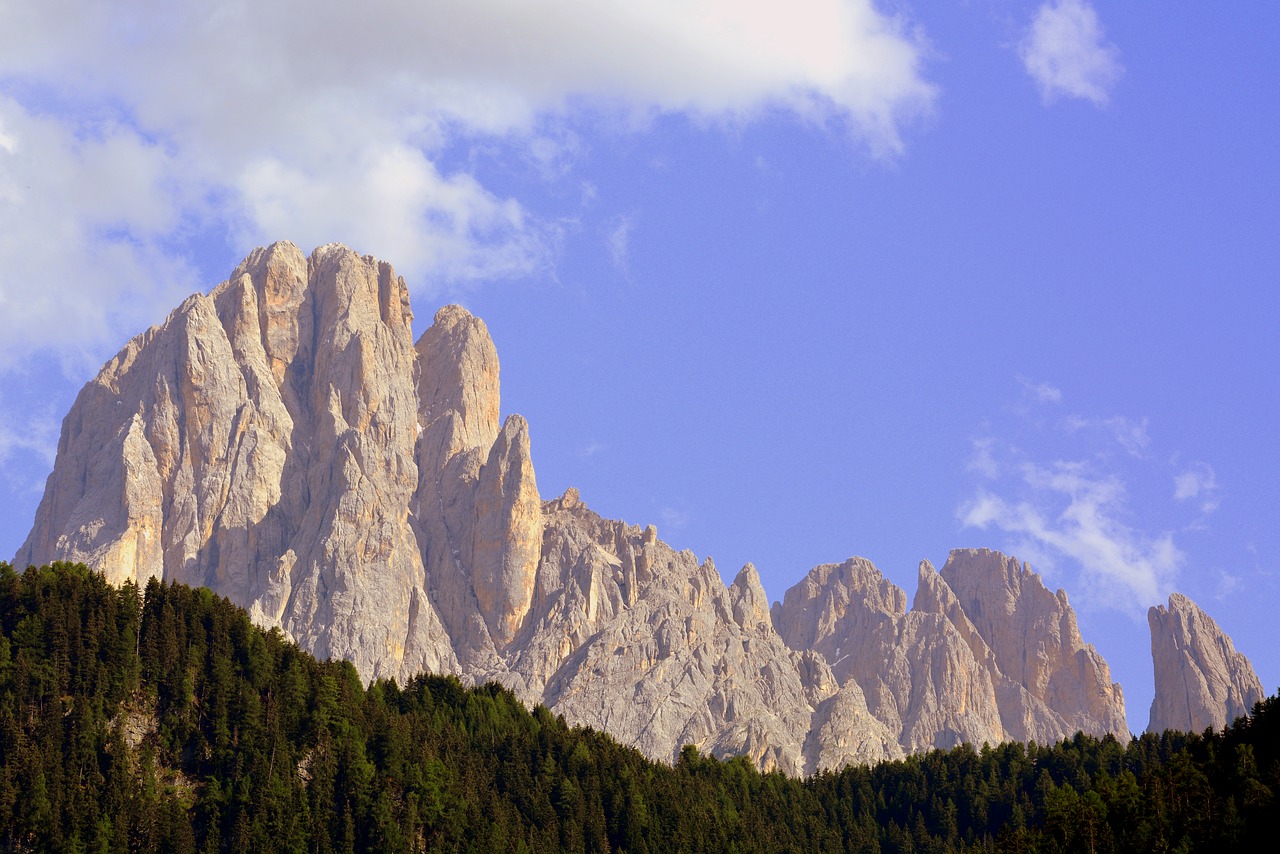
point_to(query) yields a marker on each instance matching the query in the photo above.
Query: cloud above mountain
(1079, 495)
(128, 128)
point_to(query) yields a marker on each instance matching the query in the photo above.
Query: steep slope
(1201, 681)
(284, 441)
(1000, 659)
(261, 442)
(1036, 643)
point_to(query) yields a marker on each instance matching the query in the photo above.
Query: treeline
(163, 720)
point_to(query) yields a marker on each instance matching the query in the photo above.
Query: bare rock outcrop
(506, 537)
(999, 658)
(629, 635)
(1202, 682)
(846, 612)
(844, 732)
(916, 673)
(1035, 640)
(261, 442)
(284, 441)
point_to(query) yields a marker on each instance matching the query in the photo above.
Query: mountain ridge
(284, 441)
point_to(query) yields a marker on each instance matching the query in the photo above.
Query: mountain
(285, 442)
(986, 653)
(1201, 681)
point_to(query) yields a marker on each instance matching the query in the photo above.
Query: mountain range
(285, 442)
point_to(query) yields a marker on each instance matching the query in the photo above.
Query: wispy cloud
(28, 445)
(1199, 484)
(1075, 513)
(35, 435)
(1059, 492)
(1065, 51)
(1035, 392)
(674, 518)
(279, 120)
(618, 240)
(1129, 433)
(983, 459)
(1228, 584)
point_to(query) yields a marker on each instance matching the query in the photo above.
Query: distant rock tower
(1201, 681)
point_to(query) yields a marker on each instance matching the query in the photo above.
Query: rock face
(1201, 681)
(1036, 643)
(284, 441)
(986, 654)
(261, 442)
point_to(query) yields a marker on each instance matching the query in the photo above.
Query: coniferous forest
(164, 720)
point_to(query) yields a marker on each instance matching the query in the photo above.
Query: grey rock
(1035, 640)
(934, 676)
(628, 635)
(283, 441)
(1202, 682)
(260, 442)
(844, 732)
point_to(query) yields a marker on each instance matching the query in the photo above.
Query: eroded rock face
(284, 441)
(935, 676)
(1201, 680)
(844, 732)
(628, 635)
(1035, 640)
(261, 442)
(506, 539)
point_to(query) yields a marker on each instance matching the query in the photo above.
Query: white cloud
(36, 436)
(1058, 492)
(1129, 433)
(619, 242)
(1074, 513)
(674, 518)
(392, 202)
(983, 459)
(31, 436)
(1066, 52)
(1228, 585)
(1197, 483)
(82, 229)
(129, 126)
(1034, 392)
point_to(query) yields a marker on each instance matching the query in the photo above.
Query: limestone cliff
(1201, 681)
(933, 675)
(261, 442)
(1033, 636)
(284, 441)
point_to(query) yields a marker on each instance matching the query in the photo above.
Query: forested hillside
(163, 719)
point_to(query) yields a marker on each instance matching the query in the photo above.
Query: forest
(162, 719)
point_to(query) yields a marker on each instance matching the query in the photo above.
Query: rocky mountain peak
(284, 441)
(1201, 680)
(458, 393)
(1035, 639)
(749, 602)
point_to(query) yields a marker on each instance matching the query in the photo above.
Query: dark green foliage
(165, 721)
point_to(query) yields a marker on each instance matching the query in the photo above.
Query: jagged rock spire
(284, 441)
(1201, 680)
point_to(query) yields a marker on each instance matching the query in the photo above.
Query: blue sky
(793, 282)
